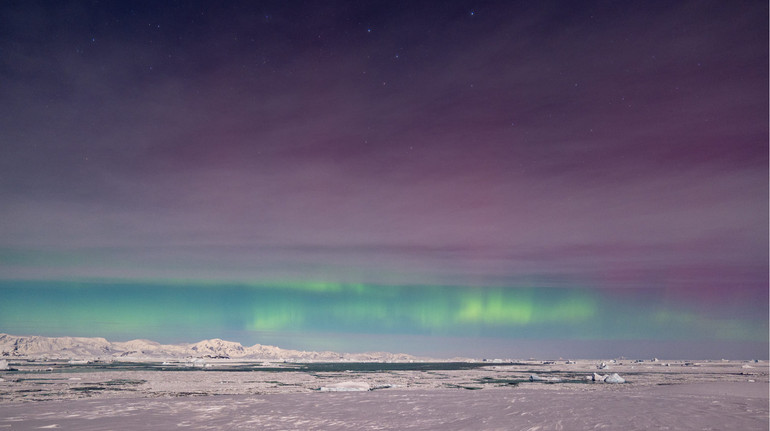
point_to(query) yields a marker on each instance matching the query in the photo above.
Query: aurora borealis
(332, 313)
(500, 179)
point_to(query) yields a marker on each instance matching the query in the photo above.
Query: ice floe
(346, 387)
(536, 378)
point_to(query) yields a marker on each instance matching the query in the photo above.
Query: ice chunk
(615, 378)
(346, 387)
(536, 378)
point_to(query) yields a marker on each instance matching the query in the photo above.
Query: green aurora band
(177, 311)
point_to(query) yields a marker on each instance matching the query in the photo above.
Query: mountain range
(13, 346)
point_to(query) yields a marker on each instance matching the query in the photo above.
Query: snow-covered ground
(125, 396)
(740, 406)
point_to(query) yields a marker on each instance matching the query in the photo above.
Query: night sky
(473, 178)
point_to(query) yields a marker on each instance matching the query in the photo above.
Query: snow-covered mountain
(92, 348)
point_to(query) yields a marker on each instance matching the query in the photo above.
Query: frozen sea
(678, 396)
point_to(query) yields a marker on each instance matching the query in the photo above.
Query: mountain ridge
(35, 346)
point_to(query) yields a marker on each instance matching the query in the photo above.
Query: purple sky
(591, 144)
